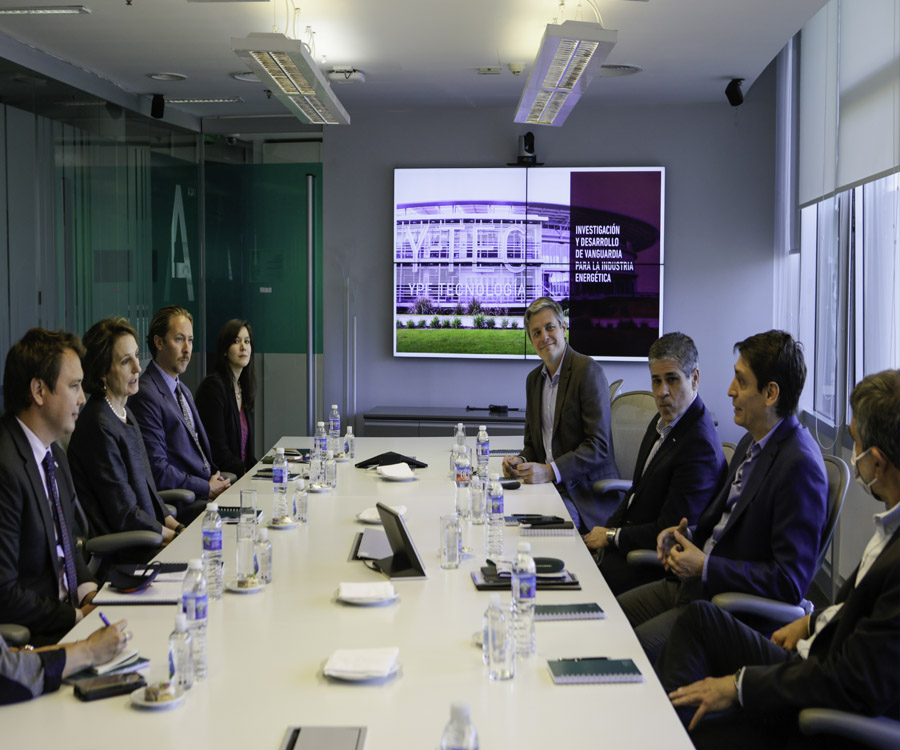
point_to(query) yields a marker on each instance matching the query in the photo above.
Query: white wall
(718, 239)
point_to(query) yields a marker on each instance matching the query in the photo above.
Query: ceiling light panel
(569, 57)
(285, 66)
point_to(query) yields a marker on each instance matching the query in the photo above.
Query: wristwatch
(611, 537)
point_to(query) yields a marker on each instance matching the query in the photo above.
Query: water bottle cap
(262, 534)
(495, 476)
(459, 425)
(524, 547)
(494, 600)
(329, 454)
(301, 483)
(279, 451)
(482, 428)
(349, 429)
(195, 565)
(459, 711)
(212, 507)
(334, 406)
(320, 424)
(181, 622)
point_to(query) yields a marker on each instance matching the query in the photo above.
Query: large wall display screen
(474, 247)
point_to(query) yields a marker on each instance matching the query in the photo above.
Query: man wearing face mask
(844, 656)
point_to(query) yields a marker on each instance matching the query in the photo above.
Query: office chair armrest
(229, 476)
(177, 497)
(643, 557)
(602, 486)
(15, 635)
(750, 604)
(111, 543)
(872, 731)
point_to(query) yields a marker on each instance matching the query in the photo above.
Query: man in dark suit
(173, 434)
(680, 466)
(44, 584)
(761, 534)
(567, 430)
(845, 656)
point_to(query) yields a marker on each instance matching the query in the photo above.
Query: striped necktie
(61, 529)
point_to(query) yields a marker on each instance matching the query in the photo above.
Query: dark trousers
(622, 577)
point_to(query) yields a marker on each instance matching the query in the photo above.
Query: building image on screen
(474, 247)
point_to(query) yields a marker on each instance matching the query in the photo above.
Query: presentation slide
(474, 247)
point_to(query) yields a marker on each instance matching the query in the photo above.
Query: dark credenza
(437, 421)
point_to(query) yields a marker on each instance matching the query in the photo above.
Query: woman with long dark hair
(225, 399)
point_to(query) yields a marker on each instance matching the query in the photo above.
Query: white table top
(266, 651)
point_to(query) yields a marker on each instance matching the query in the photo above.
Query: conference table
(267, 650)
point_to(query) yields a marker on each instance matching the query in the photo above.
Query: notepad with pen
(584, 611)
(593, 670)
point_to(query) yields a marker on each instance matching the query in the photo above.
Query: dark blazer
(174, 459)
(770, 544)
(581, 442)
(854, 662)
(111, 472)
(684, 475)
(218, 410)
(29, 567)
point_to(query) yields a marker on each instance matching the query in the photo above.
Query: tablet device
(404, 561)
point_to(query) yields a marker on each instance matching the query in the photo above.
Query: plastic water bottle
(194, 604)
(316, 467)
(330, 470)
(349, 443)
(262, 555)
(279, 486)
(320, 440)
(482, 447)
(300, 501)
(524, 585)
(478, 492)
(334, 430)
(463, 478)
(459, 439)
(496, 520)
(212, 556)
(181, 658)
(499, 647)
(459, 734)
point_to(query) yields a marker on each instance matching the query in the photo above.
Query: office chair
(614, 388)
(630, 413)
(878, 732)
(772, 609)
(728, 449)
(15, 635)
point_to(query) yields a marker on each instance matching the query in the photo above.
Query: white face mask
(854, 460)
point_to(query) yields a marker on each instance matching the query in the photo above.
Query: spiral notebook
(585, 611)
(593, 670)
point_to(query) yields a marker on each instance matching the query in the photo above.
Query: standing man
(761, 534)
(567, 432)
(44, 583)
(680, 466)
(845, 656)
(173, 434)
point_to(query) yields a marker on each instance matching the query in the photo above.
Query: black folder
(389, 458)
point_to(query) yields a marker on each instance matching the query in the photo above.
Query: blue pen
(105, 621)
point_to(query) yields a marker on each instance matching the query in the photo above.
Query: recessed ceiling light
(167, 76)
(199, 100)
(612, 71)
(46, 10)
(246, 76)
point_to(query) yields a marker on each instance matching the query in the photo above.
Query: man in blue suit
(680, 466)
(173, 434)
(761, 534)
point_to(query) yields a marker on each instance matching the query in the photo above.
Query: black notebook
(586, 611)
(590, 671)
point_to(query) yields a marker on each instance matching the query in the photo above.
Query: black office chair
(15, 635)
(772, 609)
(878, 732)
(99, 551)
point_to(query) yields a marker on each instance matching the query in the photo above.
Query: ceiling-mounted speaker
(158, 106)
